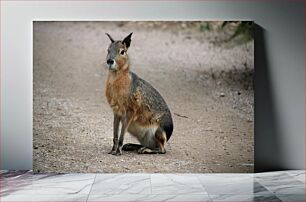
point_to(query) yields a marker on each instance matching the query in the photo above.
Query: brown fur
(117, 94)
(117, 89)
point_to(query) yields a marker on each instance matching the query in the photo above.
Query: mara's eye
(122, 52)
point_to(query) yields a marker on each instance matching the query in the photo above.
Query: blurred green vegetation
(245, 29)
(205, 27)
(219, 32)
(241, 31)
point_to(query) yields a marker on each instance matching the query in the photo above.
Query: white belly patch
(145, 135)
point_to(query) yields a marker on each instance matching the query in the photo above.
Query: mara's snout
(111, 64)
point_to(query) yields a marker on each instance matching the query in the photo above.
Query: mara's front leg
(125, 122)
(115, 130)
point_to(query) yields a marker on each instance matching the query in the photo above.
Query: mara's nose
(110, 62)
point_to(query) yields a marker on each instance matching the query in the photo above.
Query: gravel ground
(208, 86)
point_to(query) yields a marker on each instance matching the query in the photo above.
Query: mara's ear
(111, 38)
(127, 40)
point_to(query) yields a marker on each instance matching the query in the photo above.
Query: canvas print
(143, 96)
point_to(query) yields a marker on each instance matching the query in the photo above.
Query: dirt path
(212, 110)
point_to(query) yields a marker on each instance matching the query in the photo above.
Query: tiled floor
(272, 186)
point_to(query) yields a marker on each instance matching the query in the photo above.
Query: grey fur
(155, 101)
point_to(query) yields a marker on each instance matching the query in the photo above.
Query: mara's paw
(118, 152)
(112, 152)
(144, 150)
(162, 151)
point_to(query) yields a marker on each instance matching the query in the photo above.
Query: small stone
(222, 95)
(208, 129)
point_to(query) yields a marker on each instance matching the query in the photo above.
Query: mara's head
(117, 58)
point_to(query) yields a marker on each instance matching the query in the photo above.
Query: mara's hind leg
(131, 147)
(160, 138)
